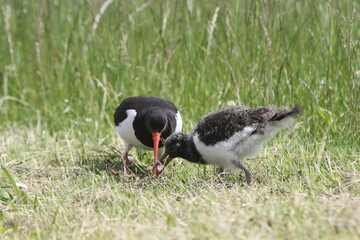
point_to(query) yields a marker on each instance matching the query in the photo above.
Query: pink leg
(126, 157)
(126, 162)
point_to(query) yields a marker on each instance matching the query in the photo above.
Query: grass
(65, 65)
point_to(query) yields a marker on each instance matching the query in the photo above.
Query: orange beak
(156, 138)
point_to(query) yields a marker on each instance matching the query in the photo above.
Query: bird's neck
(191, 153)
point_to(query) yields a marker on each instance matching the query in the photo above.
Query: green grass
(62, 73)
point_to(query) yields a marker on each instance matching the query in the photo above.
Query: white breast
(126, 131)
(178, 118)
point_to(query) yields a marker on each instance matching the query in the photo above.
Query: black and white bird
(142, 121)
(227, 136)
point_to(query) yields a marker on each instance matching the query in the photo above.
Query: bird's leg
(125, 159)
(248, 176)
(247, 172)
(126, 162)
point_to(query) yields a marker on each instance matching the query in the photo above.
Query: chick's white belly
(236, 148)
(215, 154)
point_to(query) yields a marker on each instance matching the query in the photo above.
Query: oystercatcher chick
(227, 136)
(143, 121)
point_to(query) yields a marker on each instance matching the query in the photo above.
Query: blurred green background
(67, 64)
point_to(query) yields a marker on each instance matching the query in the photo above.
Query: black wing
(139, 103)
(222, 124)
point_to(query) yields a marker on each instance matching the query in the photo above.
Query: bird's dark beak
(158, 169)
(163, 157)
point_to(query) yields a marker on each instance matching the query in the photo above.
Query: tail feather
(297, 110)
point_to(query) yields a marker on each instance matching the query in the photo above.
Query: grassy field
(65, 65)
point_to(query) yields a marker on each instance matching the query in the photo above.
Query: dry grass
(72, 195)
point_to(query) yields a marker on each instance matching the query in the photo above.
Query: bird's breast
(126, 130)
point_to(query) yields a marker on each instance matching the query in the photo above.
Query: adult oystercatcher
(143, 121)
(227, 136)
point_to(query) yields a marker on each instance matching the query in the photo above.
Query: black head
(156, 120)
(176, 145)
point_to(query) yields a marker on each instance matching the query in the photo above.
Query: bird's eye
(177, 145)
